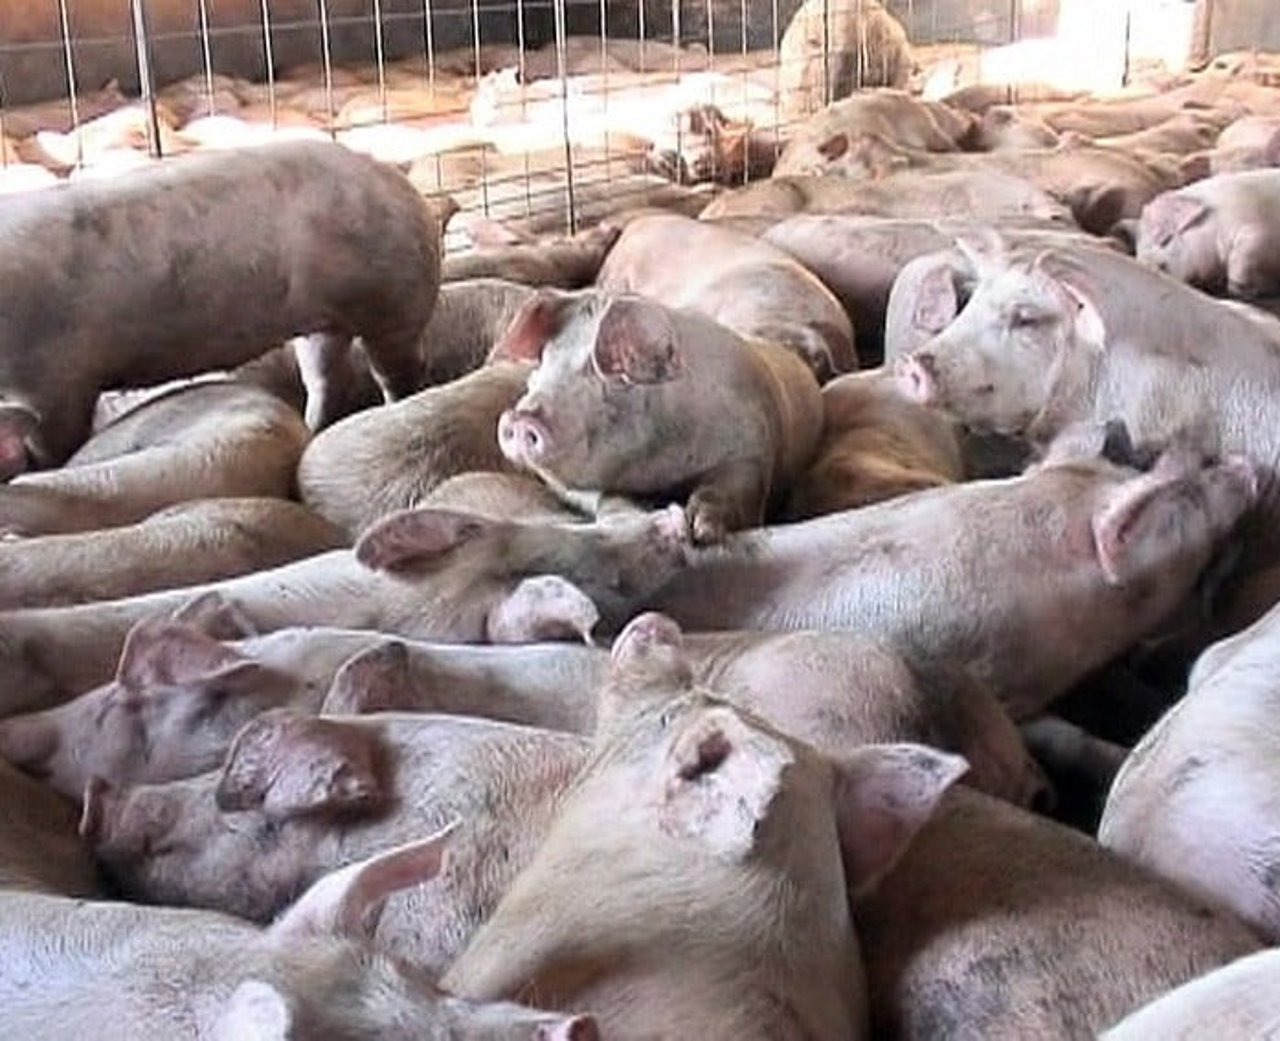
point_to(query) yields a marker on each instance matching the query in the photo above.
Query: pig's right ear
(636, 343)
(884, 794)
(373, 680)
(288, 765)
(533, 327)
(17, 424)
(216, 616)
(414, 539)
(347, 902)
(1170, 214)
(163, 653)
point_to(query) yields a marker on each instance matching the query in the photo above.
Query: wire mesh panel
(534, 115)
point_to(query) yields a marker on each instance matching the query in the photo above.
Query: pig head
(694, 849)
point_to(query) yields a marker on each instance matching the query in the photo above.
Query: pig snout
(918, 378)
(523, 436)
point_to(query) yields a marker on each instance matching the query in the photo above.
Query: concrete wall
(1243, 24)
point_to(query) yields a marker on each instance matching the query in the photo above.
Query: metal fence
(540, 113)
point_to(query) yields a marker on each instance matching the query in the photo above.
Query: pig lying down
(633, 397)
(210, 261)
(118, 972)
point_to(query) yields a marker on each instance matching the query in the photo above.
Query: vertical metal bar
(206, 56)
(524, 104)
(4, 130)
(643, 63)
(269, 54)
(562, 68)
(675, 68)
(607, 88)
(326, 61)
(711, 89)
(146, 74)
(429, 45)
(745, 80)
(380, 56)
(475, 54)
(1014, 29)
(826, 52)
(64, 27)
(1128, 44)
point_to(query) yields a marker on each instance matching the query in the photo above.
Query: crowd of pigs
(845, 613)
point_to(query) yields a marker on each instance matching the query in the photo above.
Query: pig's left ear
(721, 778)
(288, 765)
(534, 325)
(347, 903)
(372, 680)
(636, 343)
(884, 794)
(256, 1011)
(164, 653)
(544, 607)
(416, 539)
(215, 615)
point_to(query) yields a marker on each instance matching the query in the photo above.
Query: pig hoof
(707, 525)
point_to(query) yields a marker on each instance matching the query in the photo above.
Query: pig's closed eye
(1024, 319)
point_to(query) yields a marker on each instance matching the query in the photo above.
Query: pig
(179, 697)
(1219, 234)
(1196, 800)
(385, 459)
(1007, 128)
(298, 796)
(211, 440)
(469, 317)
(1237, 1000)
(614, 405)
(1062, 337)
(417, 573)
(568, 263)
(891, 113)
(860, 45)
(52, 374)
(1101, 186)
(40, 848)
(1077, 560)
(122, 972)
(979, 195)
(184, 545)
(501, 496)
(999, 924)
(700, 843)
(876, 445)
(1249, 132)
(1183, 134)
(744, 284)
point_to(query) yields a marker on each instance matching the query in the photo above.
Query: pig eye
(1024, 318)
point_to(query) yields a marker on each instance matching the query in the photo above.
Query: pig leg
(728, 499)
(396, 361)
(327, 371)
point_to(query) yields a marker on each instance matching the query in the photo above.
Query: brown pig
(621, 398)
(743, 283)
(199, 541)
(689, 855)
(40, 849)
(876, 445)
(469, 318)
(388, 458)
(210, 440)
(225, 253)
(568, 263)
(418, 573)
(1002, 925)
(121, 972)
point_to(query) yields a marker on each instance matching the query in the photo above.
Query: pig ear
(884, 794)
(937, 302)
(636, 343)
(544, 607)
(721, 778)
(17, 424)
(413, 539)
(163, 653)
(1167, 215)
(289, 765)
(217, 616)
(373, 680)
(347, 902)
(534, 325)
(834, 147)
(256, 1011)
(647, 663)
(1089, 326)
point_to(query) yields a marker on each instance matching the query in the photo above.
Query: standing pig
(1220, 234)
(745, 284)
(210, 260)
(1198, 801)
(418, 573)
(389, 458)
(119, 972)
(633, 397)
(876, 445)
(694, 851)
(298, 796)
(1001, 925)
(1073, 562)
